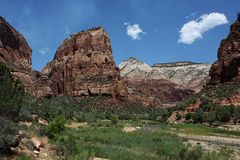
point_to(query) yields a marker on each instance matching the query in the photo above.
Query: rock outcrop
(185, 74)
(83, 66)
(16, 53)
(227, 68)
(156, 83)
(159, 93)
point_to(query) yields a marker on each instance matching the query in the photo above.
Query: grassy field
(106, 140)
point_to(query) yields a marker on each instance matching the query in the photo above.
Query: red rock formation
(156, 92)
(227, 67)
(83, 65)
(15, 52)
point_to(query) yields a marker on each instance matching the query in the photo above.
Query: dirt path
(213, 139)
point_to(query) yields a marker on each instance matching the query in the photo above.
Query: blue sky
(46, 23)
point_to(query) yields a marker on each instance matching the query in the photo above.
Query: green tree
(11, 94)
(56, 126)
(198, 116)
(8, 134)
(236, 115)
(211, 117)
(223, 113)
(189, 116)
(178, 116)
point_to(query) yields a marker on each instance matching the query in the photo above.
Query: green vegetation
(89, 109)
(11, 94)
(56, 127)
(199, 129)
(208, 94)
(23, 157)
(109, 141)
(8, 133)
(210, 110)
(11, 99)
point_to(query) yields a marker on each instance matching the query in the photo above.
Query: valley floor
(144, 140)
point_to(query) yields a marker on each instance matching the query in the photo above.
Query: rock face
(227, 68)
(15, 52)
(83, 66)
(156, 83)
(156, 92)
(186, 74)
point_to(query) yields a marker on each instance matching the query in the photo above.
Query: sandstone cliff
(227, 67)
(16, 53)
(83, 66)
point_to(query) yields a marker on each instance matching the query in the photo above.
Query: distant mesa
(186, 74)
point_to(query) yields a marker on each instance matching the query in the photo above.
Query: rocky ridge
(185, 74)
(16, 53)
(144, 81)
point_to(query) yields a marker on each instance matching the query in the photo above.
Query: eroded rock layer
(185, 74)
(159, 85)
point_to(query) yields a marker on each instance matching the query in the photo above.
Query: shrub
(236, 115)
(163, 115)
(211, 117)
(188, 116)
(114, 120)
(223, 113)
(11, 94)
(8, 134)
(56, 126)
(195, 153)
(198, 116)
(178, 116)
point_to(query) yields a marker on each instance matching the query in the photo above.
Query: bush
(178, 116)
(8, 134)
(223, 113)
(188, 116)
(195, 153)
(236, 116)
(11, 94)
(211, 117)
(56, 126)
(114, 120)
(198, 116)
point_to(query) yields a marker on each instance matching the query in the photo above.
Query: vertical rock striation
(227, 68)
(16, 53)
(83, 66)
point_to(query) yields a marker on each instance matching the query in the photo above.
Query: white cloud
(44, 51)
(195, 29)
(134, 31)
(67, 30)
